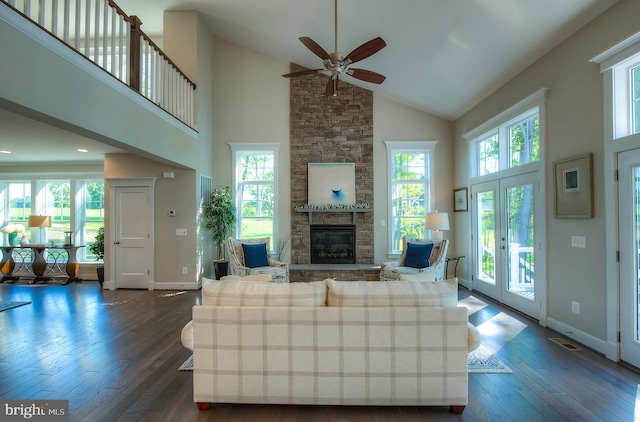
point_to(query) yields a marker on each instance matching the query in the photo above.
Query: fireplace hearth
(333, 244)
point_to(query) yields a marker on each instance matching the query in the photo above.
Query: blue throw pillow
(255, 255)
(418, 255)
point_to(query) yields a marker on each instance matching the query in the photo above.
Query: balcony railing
(102, 32)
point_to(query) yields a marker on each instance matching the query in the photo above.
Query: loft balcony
(103, 33)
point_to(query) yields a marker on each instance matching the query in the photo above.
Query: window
(511, 144)
(410, 175)
(255, 190)
(92, 199)
(74, 205)
(635, 99)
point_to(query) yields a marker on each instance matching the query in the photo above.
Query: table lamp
(41, 222)
(437, 221)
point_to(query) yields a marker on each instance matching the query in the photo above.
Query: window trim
(38, 184)
(500, 124)
(394, 147)
(243, 147)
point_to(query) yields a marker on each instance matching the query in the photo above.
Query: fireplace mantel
(310, 211)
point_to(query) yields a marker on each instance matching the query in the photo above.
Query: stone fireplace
(330, 130)
(333, 244)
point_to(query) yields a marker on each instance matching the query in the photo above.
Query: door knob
(501, 247)
(117, 242)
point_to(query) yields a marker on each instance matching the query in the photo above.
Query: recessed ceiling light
(5, 152)
(82, 150)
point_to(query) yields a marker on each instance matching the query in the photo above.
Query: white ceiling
(442, 57)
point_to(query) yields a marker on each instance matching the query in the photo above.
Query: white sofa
(330, 343)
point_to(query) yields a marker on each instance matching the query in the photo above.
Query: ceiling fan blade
(366, 75)
(314, 47)
(365, 50)
(301, 73)
(332, 87)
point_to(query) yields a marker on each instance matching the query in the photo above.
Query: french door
(505, 241)
(629, 234)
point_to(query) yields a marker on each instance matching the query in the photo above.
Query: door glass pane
(636, 240)
(520, 242)
(486, 236)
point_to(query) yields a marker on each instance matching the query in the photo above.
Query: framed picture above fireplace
(332, 183)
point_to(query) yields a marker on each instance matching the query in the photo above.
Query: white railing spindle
(103, 33)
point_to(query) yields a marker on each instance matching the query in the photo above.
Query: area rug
(481, 361)
(187, 365)
(4, 305)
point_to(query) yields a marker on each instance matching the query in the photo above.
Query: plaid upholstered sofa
(330, 343)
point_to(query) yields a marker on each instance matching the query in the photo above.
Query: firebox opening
(333, 244)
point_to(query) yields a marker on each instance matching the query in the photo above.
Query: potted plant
(97, 248)
(220, 218)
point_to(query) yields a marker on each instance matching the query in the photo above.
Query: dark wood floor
(115, 356)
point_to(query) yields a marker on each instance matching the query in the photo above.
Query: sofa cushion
(429, 275)
(392, 293)
(255, 255)
(239, 293)
(418, 255)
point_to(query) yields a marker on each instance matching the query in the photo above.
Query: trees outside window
(255, 192)
(410, 177)
(74, 205)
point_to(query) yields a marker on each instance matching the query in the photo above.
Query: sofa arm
(187, 336)
(274, 263)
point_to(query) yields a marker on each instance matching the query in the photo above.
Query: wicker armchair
(437, 260)
(279, 271)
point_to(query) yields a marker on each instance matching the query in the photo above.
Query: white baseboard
(195, 285)
(602, 346)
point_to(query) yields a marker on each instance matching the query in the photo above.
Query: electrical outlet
(575, 307)
(185, 270)
(578, 242)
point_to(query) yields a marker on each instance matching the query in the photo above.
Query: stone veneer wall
(330, 130)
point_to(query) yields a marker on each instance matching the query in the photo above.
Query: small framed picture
(460, 200)
(573, 187)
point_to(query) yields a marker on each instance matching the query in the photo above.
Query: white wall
(393, 121)
(250, 104)
(575, 126)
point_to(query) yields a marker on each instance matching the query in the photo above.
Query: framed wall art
(460, 200)
(573, 186)
(332, 183)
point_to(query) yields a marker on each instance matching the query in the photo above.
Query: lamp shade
(39, 221)
(438, 221)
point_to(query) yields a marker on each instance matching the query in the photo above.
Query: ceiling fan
(336, 64)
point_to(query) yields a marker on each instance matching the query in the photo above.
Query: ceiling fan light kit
(336, 64)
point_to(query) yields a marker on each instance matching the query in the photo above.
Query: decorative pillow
(256, 277)
(239, 293)
(406, 241)
(255, 255)
(418, 255)
(429, 275)
(392, 293)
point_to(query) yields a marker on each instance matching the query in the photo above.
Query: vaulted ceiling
(442, 57)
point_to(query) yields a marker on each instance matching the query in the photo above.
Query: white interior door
(505, 241)
(132, 237)
(629, 235)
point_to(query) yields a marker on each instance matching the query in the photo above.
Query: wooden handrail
(170, 92)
